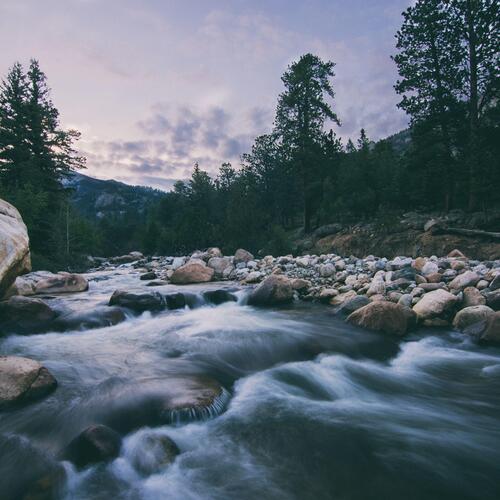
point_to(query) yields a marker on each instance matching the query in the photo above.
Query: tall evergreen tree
(301, 114)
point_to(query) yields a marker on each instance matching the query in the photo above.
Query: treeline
(301, 174)
(448, 62)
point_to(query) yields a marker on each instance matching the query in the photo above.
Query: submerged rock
(96, 443)
(192, 272)
(162, 401)
(139, 302)
(219, 296)
(98, 317)
(275, 289)
(383, 316)
(152, 453)
(150, 275)
(27, 473)
(23, 380)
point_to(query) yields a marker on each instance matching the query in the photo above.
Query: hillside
(97, 199)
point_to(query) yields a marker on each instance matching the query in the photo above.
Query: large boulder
(138, 302)
(275, 289)
(23, 380)
(45, 282)
(472, 315)
(383, 316)
(242, 256)
(192, 272)
(435, 304)
(97, 443)
(25, 314)
(14, 246)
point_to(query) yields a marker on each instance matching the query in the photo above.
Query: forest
(300, 174)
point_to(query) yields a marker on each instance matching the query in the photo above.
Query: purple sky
(155, 85)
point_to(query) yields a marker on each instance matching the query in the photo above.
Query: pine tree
(301, 114)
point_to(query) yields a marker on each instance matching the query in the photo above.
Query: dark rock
(25, 315)
(139, 302)
(275, 289)
(406, 273)
(492, 330)
(219, 296)
(351, 305)
(27, 473)
(97, 443)
(175, 300)
(157, 283)
(385, 317)
(98, 317)
(151, 275)
(493, 299)
(495, 284)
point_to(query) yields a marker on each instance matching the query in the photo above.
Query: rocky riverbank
(452, 291)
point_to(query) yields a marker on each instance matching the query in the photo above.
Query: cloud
(177, 138)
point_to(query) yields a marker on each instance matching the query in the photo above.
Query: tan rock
(384, 316)
(192, 272)
(434, 304)
(14, 246)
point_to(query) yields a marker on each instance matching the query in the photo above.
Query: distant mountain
(97, 199)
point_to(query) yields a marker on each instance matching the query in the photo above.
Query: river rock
(275, 289)
(192, 272)
(493, 299)
(434, 304)
(218, 297)
(97, 317)
(253, 277)
(492, 330)
(125, 259)
(300, 284)
(157, 402)
(384, 316)
(23, 380)
(242, 256)
(152, 453)
(219, 265)
(97, 443)
(353, 303)
(44, 282)
(27, 472)
(470, 316)
(472, 297)
(139, 302)
(468, 278)
(150, 275)
(25, 314)
(495, 283)
(14, 246)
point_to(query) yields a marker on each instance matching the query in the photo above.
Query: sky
(157, 85)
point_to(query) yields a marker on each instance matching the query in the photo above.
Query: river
(312, 408)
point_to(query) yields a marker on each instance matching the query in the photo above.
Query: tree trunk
(473, 101)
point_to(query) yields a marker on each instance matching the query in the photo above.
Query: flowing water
(312, 409)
